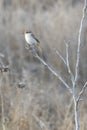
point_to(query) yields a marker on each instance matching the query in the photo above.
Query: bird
(33, 42)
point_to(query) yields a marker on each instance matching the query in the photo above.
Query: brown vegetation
(53, 22)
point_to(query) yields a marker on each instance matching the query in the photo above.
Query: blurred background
(28, 91)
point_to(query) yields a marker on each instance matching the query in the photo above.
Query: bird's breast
(29, 39)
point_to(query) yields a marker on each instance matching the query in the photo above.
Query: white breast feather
(29, 39)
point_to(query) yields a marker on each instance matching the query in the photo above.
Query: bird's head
(24, 31)
(28, 32)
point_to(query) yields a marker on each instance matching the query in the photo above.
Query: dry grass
(53, 23)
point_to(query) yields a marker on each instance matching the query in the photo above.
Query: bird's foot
(27, 46)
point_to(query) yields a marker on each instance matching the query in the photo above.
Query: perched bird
(33, 42)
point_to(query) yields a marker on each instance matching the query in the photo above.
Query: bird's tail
(40, 52)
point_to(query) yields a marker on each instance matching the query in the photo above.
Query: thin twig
(67, 62)
(61, 57)
(81, 92)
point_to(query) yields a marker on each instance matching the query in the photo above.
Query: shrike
(33, 42)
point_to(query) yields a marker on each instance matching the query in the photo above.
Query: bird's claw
(27, 47)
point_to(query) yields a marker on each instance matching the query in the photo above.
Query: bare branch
(61, 57)
(79, 43)
(54, 73)
(67, 62)
(33, 50)
(81, 92)
(77, 98)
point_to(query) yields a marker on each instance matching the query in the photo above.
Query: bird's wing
(35, 38)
